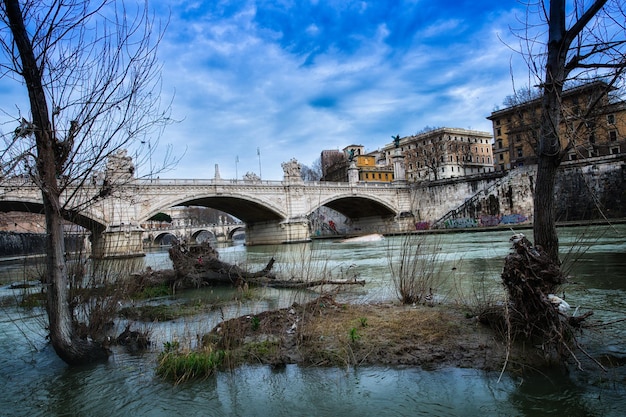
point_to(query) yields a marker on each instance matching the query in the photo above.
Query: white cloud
(293, 84)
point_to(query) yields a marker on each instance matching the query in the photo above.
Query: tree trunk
(544, 226)
(549, 149)
(70, 348)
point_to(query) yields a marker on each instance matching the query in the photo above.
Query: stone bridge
(273, 211)
(155, 234)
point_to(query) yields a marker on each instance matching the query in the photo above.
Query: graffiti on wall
(422, 226)
(484, 221)
(327, 222)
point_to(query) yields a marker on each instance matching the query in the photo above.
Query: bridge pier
(278, 232)
(123, 241)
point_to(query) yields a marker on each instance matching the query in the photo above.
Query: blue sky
(292, 78)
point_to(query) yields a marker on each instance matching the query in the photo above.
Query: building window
(610, 119)
(498, 132)
(615, 151)
(592, 137)
(519, 152)
(613, 135)
(502, 157)
(499, 143)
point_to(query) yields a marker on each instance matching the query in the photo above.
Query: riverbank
(326, 333)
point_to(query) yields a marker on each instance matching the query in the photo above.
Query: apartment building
(593, 124)
(443, 153)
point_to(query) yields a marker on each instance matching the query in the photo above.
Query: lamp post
(258, 152)
(143, 142)
(236, 168)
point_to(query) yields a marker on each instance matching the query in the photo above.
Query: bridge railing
(203, 182)
(273, 183)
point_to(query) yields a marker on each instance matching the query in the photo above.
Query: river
(36, 383)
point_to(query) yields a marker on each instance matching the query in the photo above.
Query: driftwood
(202, 262)
(531, 279)
(199, 265)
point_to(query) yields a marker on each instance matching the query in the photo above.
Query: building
(443, 153)
(335, 165)
(330, 161)
(593, 124)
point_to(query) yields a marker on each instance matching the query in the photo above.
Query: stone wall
(591, 191)
(587, 190)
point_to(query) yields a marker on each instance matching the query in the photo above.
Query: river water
(34, 382)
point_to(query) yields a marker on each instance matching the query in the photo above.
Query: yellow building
(335, 165)
(593, 124)
(370, 172)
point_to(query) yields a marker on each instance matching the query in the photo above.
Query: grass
(331, 334)
(327, 333)
(180, 366)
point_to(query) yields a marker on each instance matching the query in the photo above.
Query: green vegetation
(354, 335)
(148, 292)
(255, 323)
(161, 217)
(180, 366)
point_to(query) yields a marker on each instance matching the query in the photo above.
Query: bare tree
(586, 41)
(313, 172)
(92, 80)
(427, 157)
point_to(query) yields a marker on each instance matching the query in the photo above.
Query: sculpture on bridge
(119, 167)
(251, 177)
(291, 168)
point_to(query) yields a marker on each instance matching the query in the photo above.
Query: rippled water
(35, 382)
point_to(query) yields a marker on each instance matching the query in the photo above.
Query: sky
(255, 83)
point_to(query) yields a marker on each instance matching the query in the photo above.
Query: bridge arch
(164, 238)
(246, 208)
(83, 219)
(197, 233)
(235, 230)
(358, 206)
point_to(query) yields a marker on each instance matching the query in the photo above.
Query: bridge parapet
(273, 211)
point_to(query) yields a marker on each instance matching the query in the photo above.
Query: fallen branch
(274, 283)
(200, 265)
